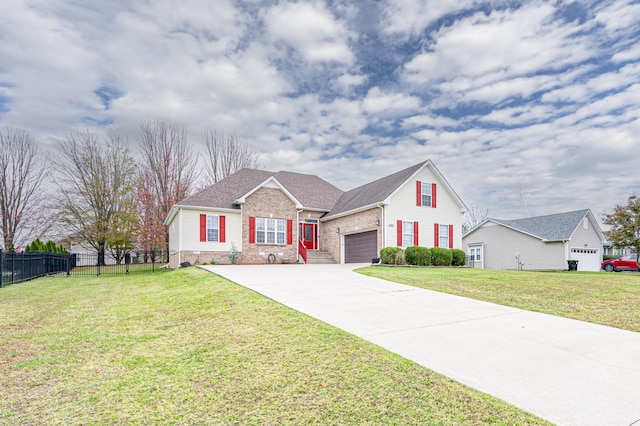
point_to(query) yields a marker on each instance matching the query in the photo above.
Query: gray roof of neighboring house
(553, 227)
(373, 192)
(310, 190)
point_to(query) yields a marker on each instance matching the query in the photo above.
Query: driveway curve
(566, 371)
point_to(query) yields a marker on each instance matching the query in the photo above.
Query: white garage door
(588, 259)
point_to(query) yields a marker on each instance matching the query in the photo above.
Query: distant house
(292, 217)
(537, 243)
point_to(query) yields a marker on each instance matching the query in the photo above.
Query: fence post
(68, 263)
(1, 263)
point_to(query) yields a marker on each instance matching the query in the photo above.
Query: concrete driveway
(568, 372)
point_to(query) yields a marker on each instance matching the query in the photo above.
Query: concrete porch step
(319, 257)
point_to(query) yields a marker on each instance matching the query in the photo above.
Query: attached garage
(589, 259)
(361, 248)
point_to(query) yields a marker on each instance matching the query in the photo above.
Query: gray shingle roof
(553, 227)
(310, 190)
(373, 192)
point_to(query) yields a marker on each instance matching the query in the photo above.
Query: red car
(623, 263)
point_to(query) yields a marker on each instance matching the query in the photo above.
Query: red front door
(309, 232)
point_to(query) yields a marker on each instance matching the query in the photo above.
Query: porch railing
(302, 250)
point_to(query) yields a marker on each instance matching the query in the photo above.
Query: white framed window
(443, 236)
(270, 231)
(425, 193)
(475, 254)
(213, 228)
(407, 234)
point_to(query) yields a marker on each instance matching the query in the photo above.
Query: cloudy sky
(540, 98)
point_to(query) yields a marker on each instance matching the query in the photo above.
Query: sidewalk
(566, 371)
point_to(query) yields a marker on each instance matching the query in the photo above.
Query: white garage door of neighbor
(588, 259)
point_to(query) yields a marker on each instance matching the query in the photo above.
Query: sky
(526, 107)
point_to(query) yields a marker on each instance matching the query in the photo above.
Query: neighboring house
(536, 243)
(291, 215)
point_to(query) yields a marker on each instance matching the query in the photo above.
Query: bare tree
(96, 183)
(21, 177)
(168, 161)
(474, 216)
(226, 154)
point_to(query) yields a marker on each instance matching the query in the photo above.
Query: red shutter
(252, 229)
(418, 193)
(223, 231)
(203, 227)
(450, 236)
(433, 195)
(399, 240)
(436, 234)
(289, 232)
(415, 234)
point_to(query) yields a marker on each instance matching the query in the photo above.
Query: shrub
(459, 257)
(400, 260)
(233, 254)
(441, 256)
(388, 255)
(416, 255)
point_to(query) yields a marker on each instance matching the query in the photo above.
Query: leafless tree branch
(21, 176)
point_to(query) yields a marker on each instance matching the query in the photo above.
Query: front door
(309, 234)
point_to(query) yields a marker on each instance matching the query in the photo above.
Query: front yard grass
(188, 347)
(611, 299)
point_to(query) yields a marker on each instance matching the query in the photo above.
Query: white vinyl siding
(403, 207)
(503, 247)
(190, 231)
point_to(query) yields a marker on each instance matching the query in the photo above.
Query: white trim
(477, 246)
(350, 212)
(179, 207)
(271, 179)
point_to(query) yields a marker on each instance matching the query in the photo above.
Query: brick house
(287, 217)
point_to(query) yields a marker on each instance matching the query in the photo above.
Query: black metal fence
(18, 267)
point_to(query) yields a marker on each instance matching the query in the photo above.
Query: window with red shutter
(433, 195)
(203, 227)
(252, 229)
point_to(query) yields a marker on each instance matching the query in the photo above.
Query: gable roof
(310, 191)
(379, 191)
(552, 227)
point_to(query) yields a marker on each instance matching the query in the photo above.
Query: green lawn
(611, 299)
(188, 347)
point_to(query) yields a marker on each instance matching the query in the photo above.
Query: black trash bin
(572, 265)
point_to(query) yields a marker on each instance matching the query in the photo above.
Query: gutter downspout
(180, 238)
(297, 243)
(383, 226)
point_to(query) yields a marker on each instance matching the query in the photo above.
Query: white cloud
(413, 16)
(504, 44)
(389, 104)
(516, 96)
(311, 29)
